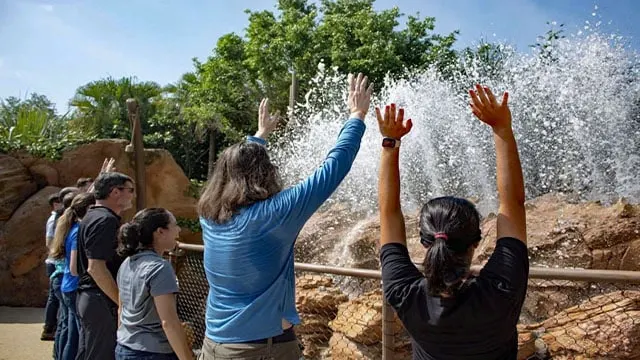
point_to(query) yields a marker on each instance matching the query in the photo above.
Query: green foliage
(195, 187)
(33, 125)
(100, 106)
(192, 225)
(546, 44)
(348, 34)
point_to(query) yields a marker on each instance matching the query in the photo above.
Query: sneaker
(47, 336)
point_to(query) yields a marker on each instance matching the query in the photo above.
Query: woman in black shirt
(449, 313)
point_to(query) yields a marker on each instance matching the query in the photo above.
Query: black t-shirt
(98, 240)
(479, 322)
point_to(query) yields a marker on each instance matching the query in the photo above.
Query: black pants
(98, 325)
(53, 304)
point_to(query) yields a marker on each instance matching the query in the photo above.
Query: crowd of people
(112, 295)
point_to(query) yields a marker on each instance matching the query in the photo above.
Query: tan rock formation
(360, 319)
(317, 301)
(16, 185)
(603, 327)
(322, 299)
(22, 252)
(45, 175)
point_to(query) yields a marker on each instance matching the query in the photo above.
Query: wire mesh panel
(580, 320)
(342, 316)
(192, 299)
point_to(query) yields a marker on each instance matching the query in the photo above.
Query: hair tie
(441, 236)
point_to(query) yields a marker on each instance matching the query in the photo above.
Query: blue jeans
(124, 353)
(51, 309)
(61, 330)
(70, 349)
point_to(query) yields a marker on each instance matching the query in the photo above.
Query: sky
(54, 46)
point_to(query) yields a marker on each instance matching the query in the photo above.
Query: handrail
(596, 275)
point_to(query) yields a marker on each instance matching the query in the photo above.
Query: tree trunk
(212, 151)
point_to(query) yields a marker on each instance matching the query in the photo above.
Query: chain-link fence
(567, 314)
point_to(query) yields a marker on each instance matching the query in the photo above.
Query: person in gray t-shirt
(149, 326)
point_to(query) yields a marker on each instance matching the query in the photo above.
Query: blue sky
(54, 46)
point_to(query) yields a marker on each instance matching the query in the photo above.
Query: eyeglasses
(131, 190)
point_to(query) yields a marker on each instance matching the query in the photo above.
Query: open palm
(486, 108)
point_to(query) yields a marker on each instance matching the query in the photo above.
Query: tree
(546, 43)
(348, 34)
(222, 95)
(100, 106)
(169, 129)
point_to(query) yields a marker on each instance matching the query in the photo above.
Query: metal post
(138, 151)
(293, 92)
(387, 331)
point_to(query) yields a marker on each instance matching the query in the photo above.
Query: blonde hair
(75, 211)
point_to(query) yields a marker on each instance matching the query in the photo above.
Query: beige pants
(212, 350)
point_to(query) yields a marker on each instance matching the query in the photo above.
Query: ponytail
(444, 268)
(137, 234)
(63, 225)
(449, 228)
(129, 238)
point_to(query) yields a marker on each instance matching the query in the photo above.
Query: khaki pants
(212, 350)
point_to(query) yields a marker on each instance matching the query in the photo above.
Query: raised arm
(511, 220)
(298, 203)
(392, 128)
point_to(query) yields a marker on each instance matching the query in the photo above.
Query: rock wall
(27, 181)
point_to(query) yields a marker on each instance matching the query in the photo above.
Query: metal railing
(567, 312)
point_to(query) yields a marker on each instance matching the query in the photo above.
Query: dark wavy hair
(244, 175)
(137, 234)
(449, 227)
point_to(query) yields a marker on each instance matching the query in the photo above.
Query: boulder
(45, 175)
(16, 185)
(86, 160)
(166, 185)
(23, 250)
(605, 326)
(321, 237)
(574, 235)
(360, 319)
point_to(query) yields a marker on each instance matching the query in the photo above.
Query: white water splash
(576, 121)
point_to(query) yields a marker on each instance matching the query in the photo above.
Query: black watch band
(390, 142)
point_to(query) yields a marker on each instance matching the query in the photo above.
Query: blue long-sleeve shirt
(248, 260)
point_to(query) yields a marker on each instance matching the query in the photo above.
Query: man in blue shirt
(249, 229)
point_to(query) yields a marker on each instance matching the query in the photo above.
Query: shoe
(47, 336)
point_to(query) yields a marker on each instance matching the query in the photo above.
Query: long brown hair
(75, 211)
(243, 175)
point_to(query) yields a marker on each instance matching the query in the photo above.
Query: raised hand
(359, 96)
(266, 122)
(485, 107)
(108, 165)
(392, 125)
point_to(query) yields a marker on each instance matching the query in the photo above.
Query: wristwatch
(390, 142)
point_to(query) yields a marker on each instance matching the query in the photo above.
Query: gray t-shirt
(141, 277)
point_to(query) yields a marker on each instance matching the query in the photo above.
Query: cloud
(47, 7)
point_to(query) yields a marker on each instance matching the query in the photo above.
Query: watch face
(386, 142)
